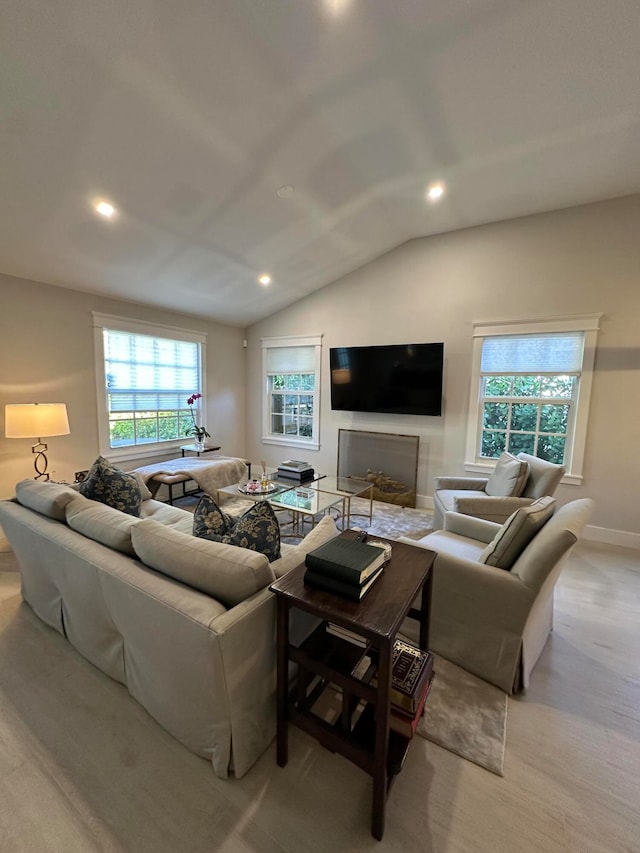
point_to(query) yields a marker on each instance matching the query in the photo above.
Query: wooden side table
(368, 743)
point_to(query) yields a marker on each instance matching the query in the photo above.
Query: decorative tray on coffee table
(254, 487)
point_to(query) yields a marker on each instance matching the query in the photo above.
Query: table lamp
(36, 420)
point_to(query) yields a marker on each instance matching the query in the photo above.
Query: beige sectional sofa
(187, 625)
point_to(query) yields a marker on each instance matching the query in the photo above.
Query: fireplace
(387, 460)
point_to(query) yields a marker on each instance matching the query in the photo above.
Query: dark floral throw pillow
(257, 529)
(112, 486)
(209, 522)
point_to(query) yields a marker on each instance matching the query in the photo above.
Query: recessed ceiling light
(265, 279)
(435, 192)
(104, 209)
(337, 7)
(285, 191)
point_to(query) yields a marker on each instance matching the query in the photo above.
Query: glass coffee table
(305, 503)
(347, 488)
(274, 488)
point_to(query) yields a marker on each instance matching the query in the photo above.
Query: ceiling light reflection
(435, 191)
(337, 7)
(104, 208)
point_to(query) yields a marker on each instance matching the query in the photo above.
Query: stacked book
(346, 567)
(411, 678)
(294, 469)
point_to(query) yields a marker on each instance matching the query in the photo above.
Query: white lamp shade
(35, 420)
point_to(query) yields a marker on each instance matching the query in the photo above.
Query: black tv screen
(400, 379)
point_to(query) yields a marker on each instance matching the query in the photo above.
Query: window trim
(587, 323)
(137, 327)
(292, 341)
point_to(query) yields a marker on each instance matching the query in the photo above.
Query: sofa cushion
(257, 529)
(508, 477)
(48, 499)
(516, 533)
(227, 573)
(112, 486)
(167, 514)
(101, 523)
(209, 521)
(544, 477)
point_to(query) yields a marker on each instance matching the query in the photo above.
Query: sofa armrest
(497, 509)
(492, 589)
(471, 527)
(487, 595)
(324, 530)
(473, 483)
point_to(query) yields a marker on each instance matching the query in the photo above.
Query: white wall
(574, 261)
(47, 355)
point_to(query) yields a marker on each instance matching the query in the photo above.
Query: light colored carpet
(467, 716)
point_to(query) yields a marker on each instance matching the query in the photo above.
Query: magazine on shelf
(346, 634)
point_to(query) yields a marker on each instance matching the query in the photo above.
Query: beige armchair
(469, 496)
(490, 621)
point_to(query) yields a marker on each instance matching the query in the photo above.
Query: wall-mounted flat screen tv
(400, 379)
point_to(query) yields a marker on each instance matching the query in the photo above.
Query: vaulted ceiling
(295, 137)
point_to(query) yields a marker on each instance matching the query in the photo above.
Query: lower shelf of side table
(332, 661)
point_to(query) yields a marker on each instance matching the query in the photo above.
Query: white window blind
(291, 402)
(291, 359)
(145, 373)
(542, 353)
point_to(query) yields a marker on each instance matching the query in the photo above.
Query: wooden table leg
(425, 611)
(382, 742)
(282, 683)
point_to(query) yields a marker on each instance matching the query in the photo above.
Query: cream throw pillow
(516, 533)
(508, 478)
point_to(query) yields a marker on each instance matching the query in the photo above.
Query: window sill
(143, 451)
(310, 444)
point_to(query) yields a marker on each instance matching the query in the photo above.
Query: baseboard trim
(424, 502)
(612, 537)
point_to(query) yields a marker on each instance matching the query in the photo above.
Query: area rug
(466, 716)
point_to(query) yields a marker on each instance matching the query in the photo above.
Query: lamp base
(41, 462)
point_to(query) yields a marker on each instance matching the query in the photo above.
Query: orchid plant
(198, 432)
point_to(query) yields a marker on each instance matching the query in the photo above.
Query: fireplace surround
(387, 460)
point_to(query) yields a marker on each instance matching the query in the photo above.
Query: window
(145, 374)
(530, 392)
(291, 412)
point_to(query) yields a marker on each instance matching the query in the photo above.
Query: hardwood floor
(83, 768)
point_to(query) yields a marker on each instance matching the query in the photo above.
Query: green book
(347, 590)
(346, 559)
